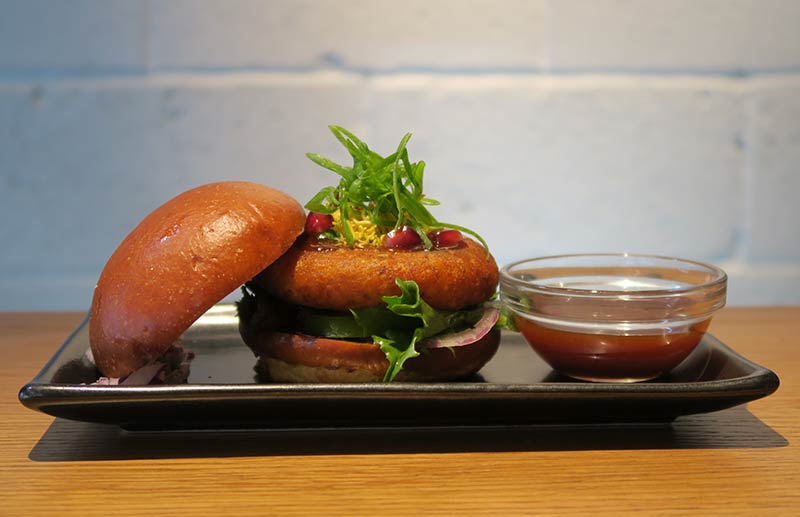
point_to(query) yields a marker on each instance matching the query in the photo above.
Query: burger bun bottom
(299, 358)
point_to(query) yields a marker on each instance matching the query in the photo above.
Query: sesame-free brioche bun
(179, 261)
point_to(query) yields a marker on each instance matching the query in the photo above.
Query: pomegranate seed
(446, 238)
(318, 223)
(404, 237)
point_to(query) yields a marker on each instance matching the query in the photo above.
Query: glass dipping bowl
(612, 317)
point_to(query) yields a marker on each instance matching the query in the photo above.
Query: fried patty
(299, 358)
(341, 278)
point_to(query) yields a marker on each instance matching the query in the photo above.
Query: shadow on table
(67, 440)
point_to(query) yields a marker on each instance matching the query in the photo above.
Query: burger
(366, 286)
(375, 288)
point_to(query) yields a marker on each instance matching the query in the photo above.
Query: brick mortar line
(366, 72)
(256, 78)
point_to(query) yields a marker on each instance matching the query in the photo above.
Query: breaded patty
(298, 358)
(343, 278)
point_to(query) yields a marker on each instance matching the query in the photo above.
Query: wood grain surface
(742, 461)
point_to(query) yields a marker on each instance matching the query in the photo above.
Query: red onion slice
(107, 381)
(144, 375)
(171, 368)
(466, 337)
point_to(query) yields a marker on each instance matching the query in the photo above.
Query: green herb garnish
(387, 191)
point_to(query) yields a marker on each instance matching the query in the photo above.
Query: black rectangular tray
(515, 388)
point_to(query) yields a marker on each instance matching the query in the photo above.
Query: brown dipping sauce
(608, 357)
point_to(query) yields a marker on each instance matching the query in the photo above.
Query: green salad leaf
(398, 341)
(386, 190)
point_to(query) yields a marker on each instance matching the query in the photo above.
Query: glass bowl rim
(719, 278)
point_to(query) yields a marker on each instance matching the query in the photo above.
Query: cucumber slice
(371, 321)
(333, 326)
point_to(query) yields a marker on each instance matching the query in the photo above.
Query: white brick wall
(582, 187)
(675, 35)
(358, 34)
(613, 125)
(773, 170)
(43, 36)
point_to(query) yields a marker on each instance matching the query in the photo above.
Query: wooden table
(744, 460)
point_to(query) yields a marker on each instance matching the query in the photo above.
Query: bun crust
(179, 261)
(298, 358)
(343, 278)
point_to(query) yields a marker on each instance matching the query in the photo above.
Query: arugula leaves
(385, 190)
(398, 341)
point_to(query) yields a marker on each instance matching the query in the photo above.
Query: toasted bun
(183, 258)
(298, 358)
(351, 278)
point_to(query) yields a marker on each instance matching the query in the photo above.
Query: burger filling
(405, 327)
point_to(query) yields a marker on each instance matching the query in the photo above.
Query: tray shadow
(67, 440)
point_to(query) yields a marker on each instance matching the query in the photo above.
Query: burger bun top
(184, 257)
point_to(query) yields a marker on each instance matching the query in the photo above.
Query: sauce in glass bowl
(612, 317)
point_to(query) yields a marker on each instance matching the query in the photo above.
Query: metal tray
(515, 388)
